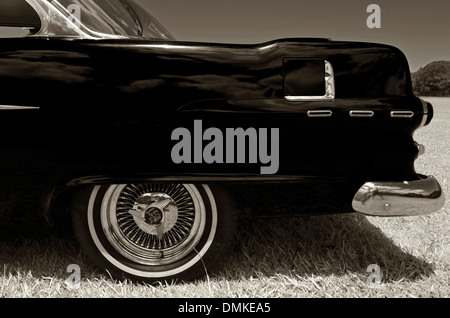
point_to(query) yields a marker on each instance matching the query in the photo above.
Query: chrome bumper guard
(408, 198)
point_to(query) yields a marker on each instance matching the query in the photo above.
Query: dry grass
(323, 256)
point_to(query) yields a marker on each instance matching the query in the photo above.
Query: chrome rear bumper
(408, 198)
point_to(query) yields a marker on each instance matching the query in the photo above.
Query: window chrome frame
(330, 88)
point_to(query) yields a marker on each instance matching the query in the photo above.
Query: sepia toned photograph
(207, 150)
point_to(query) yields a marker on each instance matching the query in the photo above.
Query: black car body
(139, 132)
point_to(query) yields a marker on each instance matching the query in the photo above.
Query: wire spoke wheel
(156, 236)
(154, 231)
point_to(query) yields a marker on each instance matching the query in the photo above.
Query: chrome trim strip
(408, 198)
(330, 90)
(402, 114)
(361, 113)
(188, 178)
(319, 113)
(12, 107)
(425, 113)
(176, 46)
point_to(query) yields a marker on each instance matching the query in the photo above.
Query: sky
(421, 29)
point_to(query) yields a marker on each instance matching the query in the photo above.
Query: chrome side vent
(361, 113)
(319, 113)
(401, 114)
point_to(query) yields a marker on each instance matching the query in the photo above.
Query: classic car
(155, 145)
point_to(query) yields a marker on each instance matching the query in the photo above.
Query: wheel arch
(58, 199)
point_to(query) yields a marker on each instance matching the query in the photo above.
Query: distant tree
(432, 79)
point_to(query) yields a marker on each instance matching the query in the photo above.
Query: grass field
(323, 256)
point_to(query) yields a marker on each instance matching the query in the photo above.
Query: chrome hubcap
(154, 213)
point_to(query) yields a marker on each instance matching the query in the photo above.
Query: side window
(15, 16)
(13, 32)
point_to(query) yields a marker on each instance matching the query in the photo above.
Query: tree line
(432, 79)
